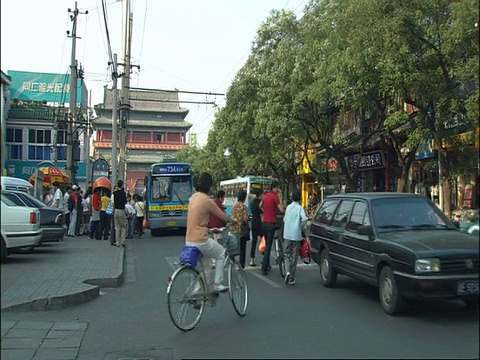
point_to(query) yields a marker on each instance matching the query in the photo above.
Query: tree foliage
(347, 75)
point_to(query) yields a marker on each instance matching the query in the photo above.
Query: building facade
(35, 132)
(156, 130)
(6, 81)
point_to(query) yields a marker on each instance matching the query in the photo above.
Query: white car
(20, 227)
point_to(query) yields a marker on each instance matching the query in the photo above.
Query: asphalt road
(303, 321)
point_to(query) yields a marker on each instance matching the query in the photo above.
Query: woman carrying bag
(240, 229)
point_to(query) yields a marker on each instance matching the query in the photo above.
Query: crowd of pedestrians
(88, 213)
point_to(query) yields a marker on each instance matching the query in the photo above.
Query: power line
(110, 55)
(143, 36)
(176, 91)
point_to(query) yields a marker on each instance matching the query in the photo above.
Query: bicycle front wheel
(185, 301)
(237, 287)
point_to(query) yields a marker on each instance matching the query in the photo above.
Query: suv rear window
(324, 214)
(343, 213)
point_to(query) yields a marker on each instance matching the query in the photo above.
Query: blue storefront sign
(100, 168)
(35, 86)
(368, 161)
(25, 169)
(425, 149)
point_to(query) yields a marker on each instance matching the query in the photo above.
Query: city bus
(169, 186)
(248, 183)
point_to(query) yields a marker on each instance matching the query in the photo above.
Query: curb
(68, 300)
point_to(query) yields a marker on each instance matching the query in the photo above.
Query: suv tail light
(33, 217)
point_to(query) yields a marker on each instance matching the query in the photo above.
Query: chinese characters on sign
(45, 87)
(368, 161)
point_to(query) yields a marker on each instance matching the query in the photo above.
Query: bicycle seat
(216, 230)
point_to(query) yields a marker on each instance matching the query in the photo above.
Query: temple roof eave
(185, 111)
(105, 122)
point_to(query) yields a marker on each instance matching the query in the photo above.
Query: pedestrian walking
(57, 196)
(140, 210)
(96, 205)
(66, 210)
(295, 222)
(119, 201)
(130, 215)
(105, 219)
(79, 208)
(270, 206)
(240, 228)
(48, 196)
(72, 207)
(257, 228)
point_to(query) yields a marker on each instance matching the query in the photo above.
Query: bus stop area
(60, 275)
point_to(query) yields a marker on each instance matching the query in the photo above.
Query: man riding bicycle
(200, 208)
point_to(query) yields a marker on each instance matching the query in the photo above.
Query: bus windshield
(171, 188)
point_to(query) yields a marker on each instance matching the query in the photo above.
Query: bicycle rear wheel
(280, 257)
(186, 303)
(237, 287)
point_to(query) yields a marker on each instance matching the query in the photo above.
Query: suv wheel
(327, 272)
(390, 298)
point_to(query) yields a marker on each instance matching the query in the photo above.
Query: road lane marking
(264, 278)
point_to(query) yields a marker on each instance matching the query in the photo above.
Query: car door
(338, 251)
(358, 247)
(320, 229)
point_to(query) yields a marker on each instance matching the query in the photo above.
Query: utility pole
(125, 106)
(114, 120)
(73, 92)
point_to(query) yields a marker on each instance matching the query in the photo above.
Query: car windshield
(407, 213)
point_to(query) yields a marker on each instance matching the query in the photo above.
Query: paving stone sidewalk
(59, 275)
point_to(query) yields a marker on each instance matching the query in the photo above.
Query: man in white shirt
(57, 196)
(129, 212)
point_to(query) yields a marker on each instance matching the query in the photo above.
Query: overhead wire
(110, 55)
(143, 38)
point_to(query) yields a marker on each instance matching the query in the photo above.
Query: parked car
(20, 226)
(401, 243)
(17, 184)
(52, 219)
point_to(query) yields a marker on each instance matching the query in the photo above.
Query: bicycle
(188, 287)
(280, 256)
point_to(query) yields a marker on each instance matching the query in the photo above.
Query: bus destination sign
(170, 169)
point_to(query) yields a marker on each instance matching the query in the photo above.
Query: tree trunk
(402, 180)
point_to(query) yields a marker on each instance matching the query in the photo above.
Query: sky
(189, 45)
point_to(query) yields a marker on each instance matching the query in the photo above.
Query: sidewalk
(59, 275)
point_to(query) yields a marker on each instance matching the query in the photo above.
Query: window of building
(141, 136)
(39, 136)
(61, 137)
(39, 152)
(15, 152)
(106, 135)
(14, 143)
(174, 138)
(61, 153)
(14, 135)
(158, 137)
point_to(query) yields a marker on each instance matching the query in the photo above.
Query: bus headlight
(427, 265)
(153, 215)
